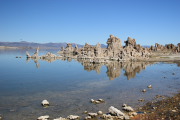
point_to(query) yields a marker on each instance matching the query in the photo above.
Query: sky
(90, 21)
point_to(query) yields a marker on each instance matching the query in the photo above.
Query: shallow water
(69, 86)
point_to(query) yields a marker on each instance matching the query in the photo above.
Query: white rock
(115, 111)
(99, 112)
(128, 109)
(124, 105)
(45, 102)
(144, 90)
(87, 117)
(174, 111)
(45, 117)
(92, 114)
(101, 100)
(106, 116)
(97, 102)
(92, 100)
(61, 118)
(73, 117)
(85, 112)
(149, 86)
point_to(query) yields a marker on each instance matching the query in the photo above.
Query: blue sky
(90, 21)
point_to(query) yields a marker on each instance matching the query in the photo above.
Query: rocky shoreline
(161, 108)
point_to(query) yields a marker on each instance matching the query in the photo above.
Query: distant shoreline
(9, 47)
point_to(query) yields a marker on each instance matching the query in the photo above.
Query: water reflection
(114, 68)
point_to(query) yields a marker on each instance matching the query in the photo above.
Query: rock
(92, 114)
(92, 100)
(73, 117)
(85, 112)
(174, 111)
(108, 116)
(132, 114)
(100, 100)
(99, 112)
(141, 100)
(87, 117)
(97, 102)
(128, 109)
(144, 90)
(46, 117)
(115, 111)
(61, 118)
(0, 118)
(126, 117)
(45, 103)
(149, 86)
(124, 105)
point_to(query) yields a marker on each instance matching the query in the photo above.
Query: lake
(70, 84)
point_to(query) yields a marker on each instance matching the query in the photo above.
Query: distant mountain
(32, 45)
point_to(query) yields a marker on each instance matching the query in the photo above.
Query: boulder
(115, 111)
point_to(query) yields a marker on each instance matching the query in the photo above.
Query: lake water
(70, 84)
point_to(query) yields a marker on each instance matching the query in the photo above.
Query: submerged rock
(45, 103)
(46, 117)
(149, 86)
(144, 90)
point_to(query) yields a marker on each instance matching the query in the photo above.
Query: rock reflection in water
(114, 68)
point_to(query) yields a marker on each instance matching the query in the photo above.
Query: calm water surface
(69, 86)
